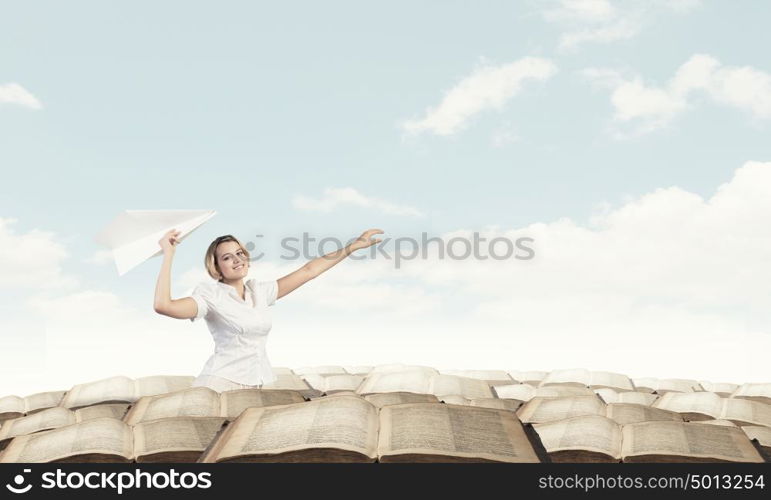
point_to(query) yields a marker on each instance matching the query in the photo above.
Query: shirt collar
(232, 290)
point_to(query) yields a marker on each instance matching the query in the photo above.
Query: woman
(236, 312)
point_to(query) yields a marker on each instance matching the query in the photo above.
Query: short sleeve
(269, 290)
(201, 295)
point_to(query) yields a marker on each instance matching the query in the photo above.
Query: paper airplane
(134, 234)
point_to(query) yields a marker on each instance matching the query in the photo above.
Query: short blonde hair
(210, 260)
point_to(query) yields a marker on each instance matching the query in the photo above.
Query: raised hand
(169, 241)
(365, 240)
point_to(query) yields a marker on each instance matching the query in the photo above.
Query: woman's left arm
(318, 265)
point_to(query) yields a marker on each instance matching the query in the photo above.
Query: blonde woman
(236, 312)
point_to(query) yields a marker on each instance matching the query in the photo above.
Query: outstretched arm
(317, 266)
(163, 304)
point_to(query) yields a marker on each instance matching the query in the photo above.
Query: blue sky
(241, 107)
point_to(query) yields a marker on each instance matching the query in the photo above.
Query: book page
(175, 434)
(287, 381)
(330, 383)
(533, 377)
(610, 379)
(42, 400)
(344, 422)
(705, 403)
(114, 410)
(688, 439)
(12, 404)
(719, 387)
(630, 413)
(521, 392)
(193, 402)
(561, 390)
(113, 389)
(746, 410)
(549, 409)
(639, 398)
(362, 370)
(416, 381)
(101, 435)
(577, 376)
(678, 385)
(45, 419)
(753, 390)
(587, 432)
(453, 430)
(161, 384)
(232, 403)
(392, 368)
(759, 432)
(441, 385)
(496, 376)
(397, 398)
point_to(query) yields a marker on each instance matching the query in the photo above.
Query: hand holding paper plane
(133, 235)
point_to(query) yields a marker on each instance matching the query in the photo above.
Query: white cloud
(335, 198)
(31, 260)
(650, 107)
(13, 93)
(100, 258)
(603, 21)
(488, 87)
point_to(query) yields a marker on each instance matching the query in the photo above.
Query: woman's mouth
(238, 267)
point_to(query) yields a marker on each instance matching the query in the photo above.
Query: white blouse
(240, 329)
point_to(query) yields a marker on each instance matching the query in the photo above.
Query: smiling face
(231, 260)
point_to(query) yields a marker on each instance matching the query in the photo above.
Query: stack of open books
(394, 413)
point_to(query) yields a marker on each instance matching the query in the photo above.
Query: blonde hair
(210, 260)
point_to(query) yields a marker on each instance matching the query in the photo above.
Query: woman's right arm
(185, 308)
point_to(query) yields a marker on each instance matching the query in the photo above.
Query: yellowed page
(398, 398)
(577, 376)
(193, 402)
(232, 403)
(746, 410)
(42, 400)
(113, 410)
(101, 435)
(705, 403)
(344, 422)
(610, 379)
(630, 413)
(540, 409)
(453, 431)
(759, 432)
(161, 384)
(688, 439)
(50, 418)
(441, 385)
(586, 432)
(12, 404)
(175, 434)
(114, 389)
(416, 381)
(521, 392)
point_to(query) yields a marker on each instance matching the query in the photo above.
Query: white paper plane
(134, 234)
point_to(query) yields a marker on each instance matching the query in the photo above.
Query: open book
(660, 386)
(497, 403)
(540, 410)
(205, 402)
(52, 418)
(720, 388)
(349, 429)
(327, 384)
(398, 398)
(612, 396)
(15, 406)
(424, 382)
(492, 377)
(755, 392)
(122, 389)
(111, 440)
(587, 378)
(761, 435)
(532, 377)
(289, 381)
(595, 438)
(526, 392)
(707, 405)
